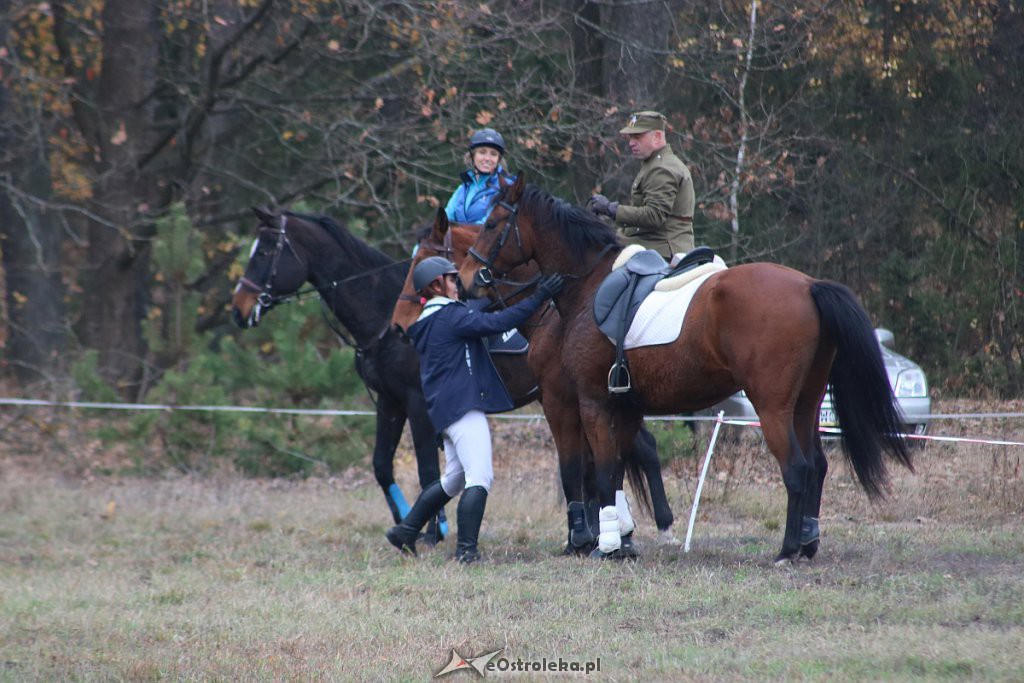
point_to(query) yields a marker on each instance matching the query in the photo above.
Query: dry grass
(225, 578)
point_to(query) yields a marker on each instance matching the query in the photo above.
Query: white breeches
(467, 454)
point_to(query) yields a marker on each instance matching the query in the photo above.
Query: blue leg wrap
(442, 522)
(399, 499)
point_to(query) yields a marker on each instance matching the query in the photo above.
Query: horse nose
(238, 319)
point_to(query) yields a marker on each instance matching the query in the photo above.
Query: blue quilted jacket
(471, 201)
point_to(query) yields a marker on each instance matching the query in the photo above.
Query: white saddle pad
(660, 317)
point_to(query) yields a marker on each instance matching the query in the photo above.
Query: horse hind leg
(809, 529)
(781, 439)
(645, 453)
(806, 424)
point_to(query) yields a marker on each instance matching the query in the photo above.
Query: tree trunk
(116, 274)
(31, 247)
(587, 49)
(636, 40)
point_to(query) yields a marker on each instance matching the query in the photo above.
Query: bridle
(485, 276)
(266, 298)
(265, 292)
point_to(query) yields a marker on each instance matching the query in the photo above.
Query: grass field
(224, 578)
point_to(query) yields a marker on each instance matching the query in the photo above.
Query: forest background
(879, 143)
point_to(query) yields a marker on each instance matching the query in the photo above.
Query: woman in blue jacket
(471, 201)
(461, 386)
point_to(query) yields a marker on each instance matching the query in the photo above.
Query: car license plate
(827, 417)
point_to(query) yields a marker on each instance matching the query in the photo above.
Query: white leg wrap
(626, 524)
(609, 540)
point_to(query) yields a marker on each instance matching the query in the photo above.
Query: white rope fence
(100, 405)
(719, 420)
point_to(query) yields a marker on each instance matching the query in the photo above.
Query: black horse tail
(863, 399)
(641, 460)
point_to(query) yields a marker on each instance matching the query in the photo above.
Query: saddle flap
(511, 342)
(618, 299)
(608, 294)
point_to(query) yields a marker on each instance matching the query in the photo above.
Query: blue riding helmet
(487, 137)
(429, 269)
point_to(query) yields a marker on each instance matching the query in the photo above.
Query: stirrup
(618, 371)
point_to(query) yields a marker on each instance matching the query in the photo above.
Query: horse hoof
(627, 549)
(599, 554)
(809, 550)
(617, 554)
(784, 560)
(571, 550)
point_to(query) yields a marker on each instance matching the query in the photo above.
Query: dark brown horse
(452, 241)
(774, 332)
(359, 284)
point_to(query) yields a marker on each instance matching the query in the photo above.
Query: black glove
(550, 285)
(600, 205)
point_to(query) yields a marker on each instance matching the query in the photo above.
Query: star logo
(459, 662)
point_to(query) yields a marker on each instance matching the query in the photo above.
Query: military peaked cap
(643, 121)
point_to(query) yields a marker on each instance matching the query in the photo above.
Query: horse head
(432, 240)
(274, 272)
(490, 260)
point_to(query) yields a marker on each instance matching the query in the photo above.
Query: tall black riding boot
(437, 529)
(403, 536)
(470, 515)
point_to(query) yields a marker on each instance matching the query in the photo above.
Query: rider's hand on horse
(550, 285)
(600, 205)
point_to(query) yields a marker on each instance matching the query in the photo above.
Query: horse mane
(357, 251)
(581, 231)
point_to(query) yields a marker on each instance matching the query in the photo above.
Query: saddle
(620, 294)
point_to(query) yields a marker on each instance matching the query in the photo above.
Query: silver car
(905, 376)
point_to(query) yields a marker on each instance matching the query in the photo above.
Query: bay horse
(359, 284)
(543, 330)
(774, 332)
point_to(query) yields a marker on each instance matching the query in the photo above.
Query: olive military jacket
(660, 212)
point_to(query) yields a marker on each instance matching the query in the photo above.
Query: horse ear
(265, 215)
(440, 224)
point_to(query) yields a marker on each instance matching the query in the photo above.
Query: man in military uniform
(660, 213)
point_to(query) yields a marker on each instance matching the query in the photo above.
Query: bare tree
(30, 232)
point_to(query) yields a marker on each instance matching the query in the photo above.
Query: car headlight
(911, 384)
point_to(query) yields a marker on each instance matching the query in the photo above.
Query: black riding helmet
(487, 137)
(429, 269)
